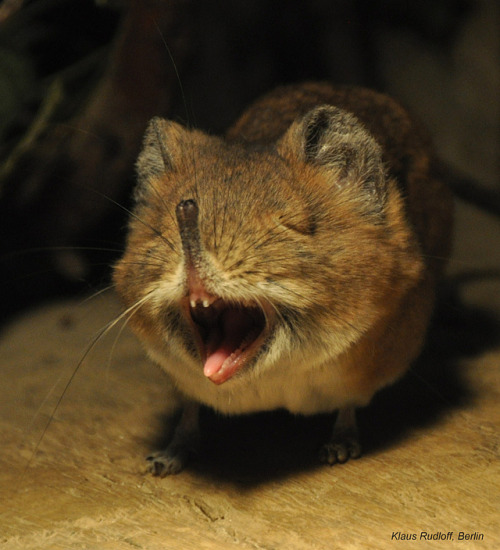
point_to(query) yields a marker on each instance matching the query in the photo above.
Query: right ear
(337, 142)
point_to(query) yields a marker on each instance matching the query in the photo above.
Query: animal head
(240, 256)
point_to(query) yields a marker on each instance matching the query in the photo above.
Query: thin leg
(344, 443)
(184, 443)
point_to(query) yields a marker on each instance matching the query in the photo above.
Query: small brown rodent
(291, 264)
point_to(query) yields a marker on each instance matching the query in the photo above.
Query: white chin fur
(301, 383)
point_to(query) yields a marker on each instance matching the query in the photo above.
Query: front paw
(167, 462)
(340, 450)
(185, 442)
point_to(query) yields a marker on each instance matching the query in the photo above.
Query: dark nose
(187, 212)
(187, 219)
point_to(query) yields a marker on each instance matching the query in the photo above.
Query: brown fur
(321, 208)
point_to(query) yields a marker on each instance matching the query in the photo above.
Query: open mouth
(228, 335)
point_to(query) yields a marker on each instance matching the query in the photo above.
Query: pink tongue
(234, 324)
(215, 361)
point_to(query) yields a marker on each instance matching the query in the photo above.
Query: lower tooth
(230, 359)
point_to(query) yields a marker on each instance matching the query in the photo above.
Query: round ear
(337, 142)
(160, 143)
(161, 150)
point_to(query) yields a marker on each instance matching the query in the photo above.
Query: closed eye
(303, 223)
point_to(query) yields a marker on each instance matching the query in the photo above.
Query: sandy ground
(431, 464)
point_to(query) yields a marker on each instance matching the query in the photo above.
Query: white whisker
(100, 334)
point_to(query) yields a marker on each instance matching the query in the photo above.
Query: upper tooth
(206, 303)
(192, 303)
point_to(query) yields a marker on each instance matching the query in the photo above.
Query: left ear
(336, 141)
